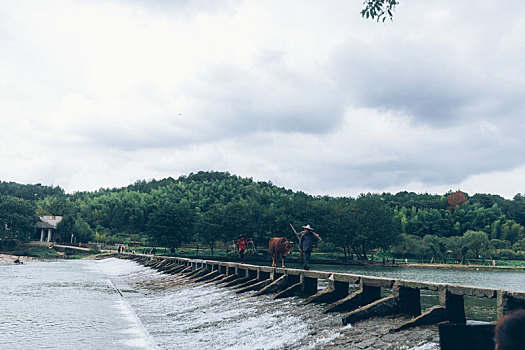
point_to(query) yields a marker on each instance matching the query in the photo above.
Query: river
(118, 304)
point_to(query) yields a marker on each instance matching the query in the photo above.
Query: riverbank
(46, 251)
(8, 259)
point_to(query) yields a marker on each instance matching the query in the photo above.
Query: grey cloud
(449, 163)
(182, 9)
(238, 100)
(391, 79)
(132, 139)
(433, 82)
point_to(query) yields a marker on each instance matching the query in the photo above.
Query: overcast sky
(305, 94)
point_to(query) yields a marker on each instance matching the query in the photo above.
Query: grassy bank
(41, 252)
(46, 252)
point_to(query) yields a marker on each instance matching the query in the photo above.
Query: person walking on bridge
(241, 245)
(306, 243)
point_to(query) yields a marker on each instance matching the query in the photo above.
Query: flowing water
(118, 304)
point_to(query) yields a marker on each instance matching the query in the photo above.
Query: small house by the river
(48, 225)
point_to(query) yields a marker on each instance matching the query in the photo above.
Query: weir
(375, 296)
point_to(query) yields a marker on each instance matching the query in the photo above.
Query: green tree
(82, 231)
(74, 229)
(343, 226)
(171, 224)
(17, 218)
(209, 227)
(435, 247)
(374, 225)
(408, 246)
(476, 241)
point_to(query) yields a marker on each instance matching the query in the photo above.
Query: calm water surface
(511, 280)
(77, 305)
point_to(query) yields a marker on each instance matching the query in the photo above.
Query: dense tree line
(212, 207)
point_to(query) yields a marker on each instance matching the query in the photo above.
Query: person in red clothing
(241, 244)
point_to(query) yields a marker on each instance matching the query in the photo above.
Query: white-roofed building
(47, 225)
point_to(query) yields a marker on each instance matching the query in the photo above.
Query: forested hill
(209, 207)
(29, 192)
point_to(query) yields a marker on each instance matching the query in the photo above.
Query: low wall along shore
(356, 297)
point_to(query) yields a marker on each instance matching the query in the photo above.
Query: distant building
(48, 225)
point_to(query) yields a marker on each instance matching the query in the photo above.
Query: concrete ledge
(216, 278)
(363, 296)
(237, 281)
(381, 307)
(320, 275)
(419, 285)
(334, 292)
(196, 272)
(323, 296)
(175, 269)
(254, 287)
(247, 283)
(207, 276)
(187, 269)
(432, 315)
(289, 292)
(378, 282)
(472, 291)
(278, 284)
(167, 267)
(343, 277)
(226, 279)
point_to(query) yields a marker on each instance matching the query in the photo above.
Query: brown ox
(279, 247)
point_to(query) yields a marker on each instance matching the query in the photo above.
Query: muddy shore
(8, 259)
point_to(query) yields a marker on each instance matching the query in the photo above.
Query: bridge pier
(226, 279)
(229, 275)
(381, 307)
(255, 286)
(432, 315)
(167, 266)
(365, 295)
(335, 291)
(237, 281)
(150, 263)
(454, 306)
(308, 285)
(197, 272)
(405, 300)
(162, 264)
(277, 284)
(216, 278)
(207, 276)
(263, 275)
(408, 300)
(185, 270)
(451, 308)
(291, 287)
(509, 301)
(251, 280)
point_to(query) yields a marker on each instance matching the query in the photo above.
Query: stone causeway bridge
(356, 297)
